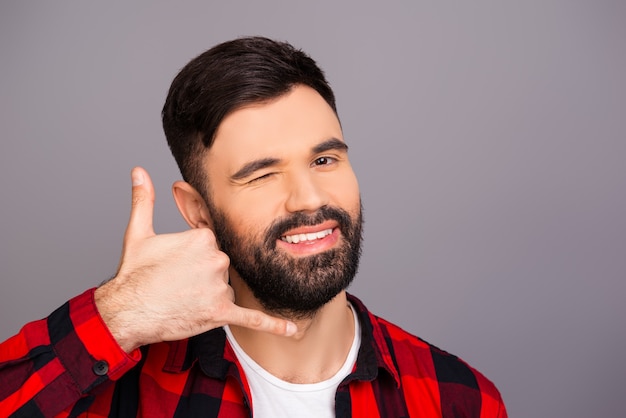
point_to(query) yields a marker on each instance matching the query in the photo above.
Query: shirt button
(100, 368)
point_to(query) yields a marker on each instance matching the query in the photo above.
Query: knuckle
(214, 312)
(256, 320)
(141, 198)
(221, 260)
(137, 199)
(204, 235)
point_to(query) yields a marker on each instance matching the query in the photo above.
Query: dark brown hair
(223, 79)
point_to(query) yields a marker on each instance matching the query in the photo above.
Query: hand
(171, 286)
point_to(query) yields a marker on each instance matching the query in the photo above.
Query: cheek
(346, 193)
(253, 216)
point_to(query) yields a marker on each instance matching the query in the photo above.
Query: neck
(315, 353)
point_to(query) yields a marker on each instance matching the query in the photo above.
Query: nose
(305, 194)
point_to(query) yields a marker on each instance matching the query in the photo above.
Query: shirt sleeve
(53, 363)
(492, 403)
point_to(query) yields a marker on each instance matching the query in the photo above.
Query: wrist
(113, 315)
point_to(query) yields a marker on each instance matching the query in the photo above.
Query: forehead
(289, 125)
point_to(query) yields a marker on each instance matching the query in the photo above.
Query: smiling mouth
(310, 237)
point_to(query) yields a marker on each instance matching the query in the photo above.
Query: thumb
(142, 207)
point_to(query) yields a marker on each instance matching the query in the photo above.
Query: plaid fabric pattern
(69, 365)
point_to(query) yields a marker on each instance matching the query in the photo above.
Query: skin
(143, 304)
(287, 131)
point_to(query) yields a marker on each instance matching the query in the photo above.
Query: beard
(293, 287)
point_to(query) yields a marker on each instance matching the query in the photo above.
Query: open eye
(324, 161)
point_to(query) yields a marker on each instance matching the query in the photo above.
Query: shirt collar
(216, 358)
(374, 354)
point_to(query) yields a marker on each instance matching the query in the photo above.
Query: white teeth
(312, 236)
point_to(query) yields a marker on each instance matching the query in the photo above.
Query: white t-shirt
(273, 397)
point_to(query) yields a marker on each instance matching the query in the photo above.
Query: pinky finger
(259, 321)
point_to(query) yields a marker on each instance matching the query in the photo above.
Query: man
(247, 311)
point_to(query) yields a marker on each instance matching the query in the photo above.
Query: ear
(191, 205)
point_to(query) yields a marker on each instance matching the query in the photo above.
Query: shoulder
(458, 385)
(428, 370)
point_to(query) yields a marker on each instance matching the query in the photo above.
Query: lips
(303, 230)
(308, 237)
(309, 240)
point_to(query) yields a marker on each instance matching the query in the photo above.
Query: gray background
(489, 139)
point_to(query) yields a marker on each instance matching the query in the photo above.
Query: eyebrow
(331, 144)
(252, 166)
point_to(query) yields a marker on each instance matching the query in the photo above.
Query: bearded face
(285, 284)
(284, 201)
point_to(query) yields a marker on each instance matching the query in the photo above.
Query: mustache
(278, 228)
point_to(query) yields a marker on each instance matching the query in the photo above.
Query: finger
(257, 320)
(142, 207)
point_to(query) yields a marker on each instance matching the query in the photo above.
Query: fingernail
(137, 178)
(291, 329)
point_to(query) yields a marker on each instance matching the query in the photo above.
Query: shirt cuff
(85, 346)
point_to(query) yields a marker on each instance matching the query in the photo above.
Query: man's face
(285, 202)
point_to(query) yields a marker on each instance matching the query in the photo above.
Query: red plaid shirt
(70, 365)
